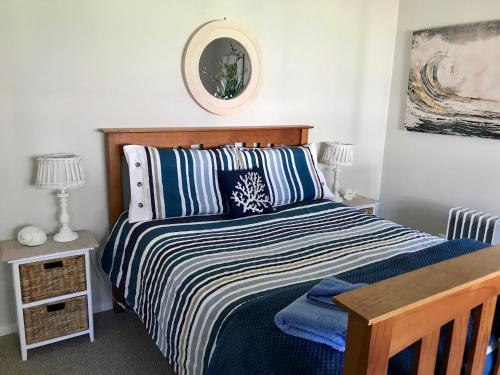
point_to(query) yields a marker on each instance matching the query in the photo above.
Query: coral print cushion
(246, 192)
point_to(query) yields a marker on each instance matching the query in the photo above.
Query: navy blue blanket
(249, 343)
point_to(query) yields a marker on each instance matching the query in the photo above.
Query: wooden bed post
(389, 316)
(304, 135)
(113, 166)
(210, 137)
(113, 159)
(369, 347)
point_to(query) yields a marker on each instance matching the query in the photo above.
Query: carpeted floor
(121, 346)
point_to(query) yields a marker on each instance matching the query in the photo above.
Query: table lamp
(337, 155)
(61, 172)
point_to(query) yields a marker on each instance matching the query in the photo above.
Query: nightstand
(52, 289)
(367, 205)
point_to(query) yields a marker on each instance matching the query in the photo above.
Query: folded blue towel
(315, 323)
(321, 294)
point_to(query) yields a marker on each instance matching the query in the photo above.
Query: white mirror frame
(192, 54)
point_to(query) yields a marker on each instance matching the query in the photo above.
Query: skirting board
(8, 329)
(12, 328)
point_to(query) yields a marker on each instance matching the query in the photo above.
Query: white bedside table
(367, 205)
(52, 289)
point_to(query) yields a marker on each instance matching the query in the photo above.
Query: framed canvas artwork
(454, 81)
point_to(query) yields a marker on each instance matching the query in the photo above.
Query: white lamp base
(65, 234)
(336, 185)
(337, 199)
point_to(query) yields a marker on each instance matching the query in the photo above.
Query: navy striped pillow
(291, 173)
(176, 182)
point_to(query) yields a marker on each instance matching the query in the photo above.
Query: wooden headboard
(116, 138)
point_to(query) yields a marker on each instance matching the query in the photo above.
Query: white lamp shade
(59, 172)
(338, 154)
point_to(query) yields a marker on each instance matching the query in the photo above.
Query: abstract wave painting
(454, 82)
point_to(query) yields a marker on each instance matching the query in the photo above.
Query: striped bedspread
(185, 277)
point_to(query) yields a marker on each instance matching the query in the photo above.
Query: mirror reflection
(225, 68)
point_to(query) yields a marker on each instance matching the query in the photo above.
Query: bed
(207, 287)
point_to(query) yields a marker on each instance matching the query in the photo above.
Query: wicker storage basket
(52, 278)
(57, 319)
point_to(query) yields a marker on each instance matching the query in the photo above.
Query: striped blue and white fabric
(176, 182)
(291, 173)
(185, 277)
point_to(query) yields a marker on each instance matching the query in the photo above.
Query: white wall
(426, 174)
(71, 67)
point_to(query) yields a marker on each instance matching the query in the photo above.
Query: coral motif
(249, 193)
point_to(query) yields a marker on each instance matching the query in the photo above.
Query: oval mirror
(222, 67)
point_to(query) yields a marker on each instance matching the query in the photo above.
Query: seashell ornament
(31, 236)
(349, 194)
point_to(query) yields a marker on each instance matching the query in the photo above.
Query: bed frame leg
(117, 297)
(117, 308)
